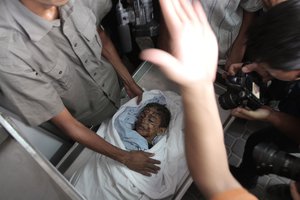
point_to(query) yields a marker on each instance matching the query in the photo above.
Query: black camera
(245, 90)
(270, 160)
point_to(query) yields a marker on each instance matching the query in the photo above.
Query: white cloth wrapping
(104, 178)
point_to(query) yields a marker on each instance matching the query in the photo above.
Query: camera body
(136, 19)
(244, 90)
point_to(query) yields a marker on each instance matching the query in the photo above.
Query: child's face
(148, 123)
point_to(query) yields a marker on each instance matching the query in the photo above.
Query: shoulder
(251, 5)
(99, 7)
(13, 50)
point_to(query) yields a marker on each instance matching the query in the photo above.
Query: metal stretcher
(27, 173)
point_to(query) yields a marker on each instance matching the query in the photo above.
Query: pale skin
(192, 36)
(138, 161)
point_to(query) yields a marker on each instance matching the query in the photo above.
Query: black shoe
(279, 191)
(245, 177)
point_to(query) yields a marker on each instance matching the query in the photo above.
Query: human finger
(259, 114)
(145, 173)
(249, 67)
(200, 12)
(237, 113)
(189, 10)
(166, 62)
(254, 67)
(170, 16)
(139, 99)
(234, 68)
(182, 15)
(154, 161)
(153, 168)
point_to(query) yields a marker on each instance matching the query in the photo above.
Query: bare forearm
(287, 124)
(111, 54)
(78, 132)
(238, 47)
(248, 18)
(204, 134)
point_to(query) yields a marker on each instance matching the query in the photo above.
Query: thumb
(139, 99)
(249, 68)
(165, 61)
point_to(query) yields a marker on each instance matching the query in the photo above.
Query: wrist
(123, 157)
(128, 80)
(199, 93)
(204, 87)
(273, 116)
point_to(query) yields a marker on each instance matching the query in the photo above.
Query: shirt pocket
(60, 76)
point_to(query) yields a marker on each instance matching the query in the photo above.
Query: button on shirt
(48, 65)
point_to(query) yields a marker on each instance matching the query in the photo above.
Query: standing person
(275, 54)
(230, 21)
(57, 68)
(192, 65)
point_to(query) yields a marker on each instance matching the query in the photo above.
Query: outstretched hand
(261, 114)
(194, 48)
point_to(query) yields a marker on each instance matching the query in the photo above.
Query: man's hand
(236, 54)
(141, 162)
(259, 114)
(134, 90)
(234, 68)
(194, 49)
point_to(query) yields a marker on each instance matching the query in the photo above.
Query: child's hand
(194, 49)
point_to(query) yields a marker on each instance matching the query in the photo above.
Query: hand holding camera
(249, 67)
(260, 114)
(246, 90)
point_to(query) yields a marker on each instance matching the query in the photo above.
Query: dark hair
(163, 112)
(275, 37)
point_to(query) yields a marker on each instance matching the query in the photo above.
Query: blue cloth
(124, 125)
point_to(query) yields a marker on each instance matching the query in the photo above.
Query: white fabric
(104, 178)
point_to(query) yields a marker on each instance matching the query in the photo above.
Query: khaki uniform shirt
(48, 65)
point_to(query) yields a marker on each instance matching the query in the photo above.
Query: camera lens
(269, 160)
(229, 100)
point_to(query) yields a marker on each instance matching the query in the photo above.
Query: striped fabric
(225, 17)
